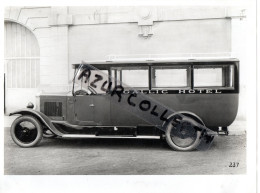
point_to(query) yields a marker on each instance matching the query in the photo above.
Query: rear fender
(42, 117)
(193, 118)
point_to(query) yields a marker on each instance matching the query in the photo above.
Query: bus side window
(131, 77)
(170, 77)
(116, 77)
(137, 78)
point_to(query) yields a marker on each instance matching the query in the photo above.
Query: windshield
(86, 77)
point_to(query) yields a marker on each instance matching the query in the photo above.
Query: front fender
(44, 119)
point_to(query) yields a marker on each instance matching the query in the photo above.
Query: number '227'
(233, 164)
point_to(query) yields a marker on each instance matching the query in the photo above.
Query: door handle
(91, 105)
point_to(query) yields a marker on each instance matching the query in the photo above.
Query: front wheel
(26, 131)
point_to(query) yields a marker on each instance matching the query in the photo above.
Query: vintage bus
(203, 90)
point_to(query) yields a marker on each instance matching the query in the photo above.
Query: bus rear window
(221, 76)
(207, 77)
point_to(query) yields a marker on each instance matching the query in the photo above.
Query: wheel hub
(183, 130)
(25, 131)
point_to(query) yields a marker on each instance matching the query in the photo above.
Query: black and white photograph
(101, 91)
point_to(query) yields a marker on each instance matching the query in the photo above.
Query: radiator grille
(53, 109)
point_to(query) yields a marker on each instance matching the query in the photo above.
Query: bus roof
(142, 62)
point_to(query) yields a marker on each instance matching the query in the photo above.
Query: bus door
(93, 108)
(84, 109)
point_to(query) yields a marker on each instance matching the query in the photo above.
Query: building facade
(41, 43)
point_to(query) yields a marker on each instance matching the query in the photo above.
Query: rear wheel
(182, 137)
(26, 131)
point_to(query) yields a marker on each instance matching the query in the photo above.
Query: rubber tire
(38, 127)
(178, 148)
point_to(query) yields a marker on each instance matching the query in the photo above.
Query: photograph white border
(147, 183)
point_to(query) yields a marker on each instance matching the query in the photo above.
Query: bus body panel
(214, 109)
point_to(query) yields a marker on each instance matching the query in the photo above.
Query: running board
(108, 136)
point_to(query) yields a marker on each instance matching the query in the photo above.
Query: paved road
(123, 156)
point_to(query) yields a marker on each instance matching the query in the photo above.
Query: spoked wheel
(26, 131)
(183, 136)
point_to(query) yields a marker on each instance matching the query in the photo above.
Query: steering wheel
(92, 90)
(81, 92)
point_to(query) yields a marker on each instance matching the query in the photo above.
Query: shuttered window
(21, 57)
